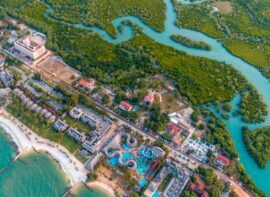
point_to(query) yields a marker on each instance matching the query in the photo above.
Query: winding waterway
(219, 53)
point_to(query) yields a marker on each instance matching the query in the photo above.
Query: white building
(29, 47)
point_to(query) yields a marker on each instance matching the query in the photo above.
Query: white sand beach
(108, 191)
(26, 140)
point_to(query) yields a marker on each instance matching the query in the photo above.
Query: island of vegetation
(257, 143)
(190, 43)
(256, 110)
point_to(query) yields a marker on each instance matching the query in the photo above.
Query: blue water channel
(219, 53)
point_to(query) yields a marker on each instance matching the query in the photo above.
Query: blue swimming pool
(155, 194)
(143, 182)
(127, 156)
(113, 161)
(125, 146)
(143, 164)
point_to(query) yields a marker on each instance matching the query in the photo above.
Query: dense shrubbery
(258, 144)
(252, 107)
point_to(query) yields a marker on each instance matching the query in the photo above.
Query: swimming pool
(125, 146)
(127, 156)
(155, 194)
(143, 182)
(143, 164)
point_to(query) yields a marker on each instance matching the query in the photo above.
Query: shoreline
(102, 187)
(26, 140)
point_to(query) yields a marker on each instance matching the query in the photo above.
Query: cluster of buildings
(5, 76)
(148, 100)
(176, 185)
(101, 128)
(34, 106)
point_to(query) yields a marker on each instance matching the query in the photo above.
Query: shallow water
(34, 175)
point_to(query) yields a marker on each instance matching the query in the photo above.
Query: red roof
(205, 194)
(125, 106)
(84, 83)
(2, 58)
(149, 99)
(183, 125)
(173, 128)
(223, 160)
(192, 187)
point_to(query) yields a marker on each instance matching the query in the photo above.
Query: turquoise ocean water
(33, 175)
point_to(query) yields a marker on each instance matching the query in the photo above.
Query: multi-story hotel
(30, 47)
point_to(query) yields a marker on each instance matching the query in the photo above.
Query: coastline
(26, 140)
(97, 185)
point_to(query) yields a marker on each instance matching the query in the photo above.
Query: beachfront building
(93, 143)
(78, 136)
(91, 121)
(125, 106)
(60, 125)
(6, 78)
(76, 113)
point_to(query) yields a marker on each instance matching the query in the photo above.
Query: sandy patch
(223, 7)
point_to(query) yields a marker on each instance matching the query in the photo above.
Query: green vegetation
(190, 43)
(257, 143)
(199, 79)
(102, 12)
(158, 120)
(244, 30)
(252, 107)
(81, 126)
(217, 133)
(40, 125)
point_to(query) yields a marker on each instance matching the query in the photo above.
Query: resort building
(60, 125)
(91, 121)
(93, 143)
(198, 149)
(125, 106)
(6, 78)
(76, 113)
(76, 134)
(176, 186)
(30, 47)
